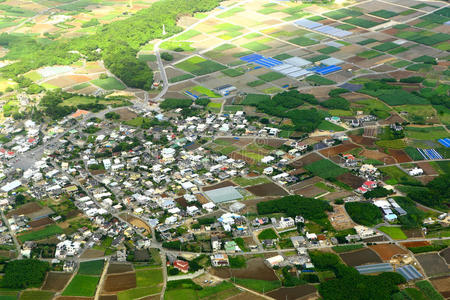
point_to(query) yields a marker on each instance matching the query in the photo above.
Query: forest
(116, 43)
(24, 273)
(436, 194)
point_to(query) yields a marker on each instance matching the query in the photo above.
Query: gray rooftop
(224, 194)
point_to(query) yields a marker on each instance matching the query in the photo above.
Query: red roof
(10, 152)
(181, 264)
(361, 189)
(369, 182)
(30, 140)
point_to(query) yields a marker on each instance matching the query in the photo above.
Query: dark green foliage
(428, 248)
(267, 234)
(324, 260)
(175, 103)
(325, 169)
(183, 284)
(426, 59)
(377, 192)
(112, 115)
(336, 103)
(202, 101)
(414, 216)
(91, 22)
(412, 79)
(167, 56)
(437, 194)
(349, 284)
(363, 213)
(50, 104)
(311, 209)
(289, 279)
(237, 262)
(24, 273)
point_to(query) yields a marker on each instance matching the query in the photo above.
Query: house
(369, 184)
(236, 207)
(181, 265)
(219, 260)
(299, 219)
(192, 210)
(231, 247)
(298, 241)
(286, 222)
(69, 266)
(267, 159)
(274, 261)
(215, 243)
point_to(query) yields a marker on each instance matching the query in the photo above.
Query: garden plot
(340, 149)
(306, 290)
(433, 264)
(311, 191)
(68, 80)
(387, 251)
(119, 282)
(199, 66)
(442, 285)
(56, 281)
(266, 189)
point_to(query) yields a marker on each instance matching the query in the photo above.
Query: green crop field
(254, 99)
(258, 285)
(271, 76)
(94, 267)
(233, 72)
(325, 125)
(342, 13)
(256, 46)
(138, 293)
(177, 46)
(346, 248)
(385, 14)
(255, 83)
(413, 153)
(319, 80)
(199, 66)
(367, 41)
(181, 78)
(328, 50)
(426, 133)
(325, 168)
(82, 286)
(303, 41)
(34, 295)
(242, 181)
(369, 54)
(40, 234)
(147, 57)
(185, 294)
(392, 144)
(204, 91)
(397, 97)
(187, 35)
(386, 46)
(361, 22)
(394, 232)
(110, 83)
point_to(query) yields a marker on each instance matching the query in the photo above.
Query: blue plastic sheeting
(409, 272)
(429, 154)
(445, 142)
(189, 93)
(325, 70)
(251, 57)
(375, 268)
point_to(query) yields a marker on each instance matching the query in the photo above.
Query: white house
(416, 172)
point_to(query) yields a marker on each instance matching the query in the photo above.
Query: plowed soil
(292, 293)
(119, 282)
(351, 180)
(360, 257)
(386, 251)
(266, 189)
(119, 268)
(343, 148)
(400, 155)
(307, 159)
(56, 281)
(362, 140)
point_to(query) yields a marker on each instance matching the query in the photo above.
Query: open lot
(56, 281)
(442, 285)
(292, 293)
(433, 264)
(119, 282)
(256, 269)
(266, 189)
(387, 251)
(360, 257)
(117, 268)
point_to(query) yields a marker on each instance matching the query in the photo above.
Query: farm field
(360, 257)
(82, 286)
(387, 251)
(394, 232)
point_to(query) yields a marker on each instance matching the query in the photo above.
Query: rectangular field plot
(200, 66)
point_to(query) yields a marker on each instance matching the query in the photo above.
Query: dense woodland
(24, 273)
(435, 194)
(116, 43)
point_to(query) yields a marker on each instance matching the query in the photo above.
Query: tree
(363, 213)
(25, 273)
(167, 56)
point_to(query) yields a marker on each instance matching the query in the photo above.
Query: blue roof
(445, 142)
(409, 272)
(374, 268)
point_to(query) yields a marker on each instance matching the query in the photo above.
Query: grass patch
(185, 294)
(426, 133)
(80, 86)
(41, 234)
(303, 41)
(385, 14)
(82, 286)
(242, 181)
(204, 91)
(392, 144)
(255, 46)
(267, 234)
(328, 50)
(394, 232)
(181, 78)
(369, 54)
(199, 66)
(148, 277)
(282, 56)
(325, 125)
(361, 22)
(398, 176)
(233, 72)
(386, 46)
(325, 168)
(237, 262)
(147, 57)
(33, 295)
(427, 288)
(231, 12)
(261, 286)
(138, 293)
(255, 83)
(109, 83)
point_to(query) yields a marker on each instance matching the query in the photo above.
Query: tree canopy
(25, 273)
(363, 213)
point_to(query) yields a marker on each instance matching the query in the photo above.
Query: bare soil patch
(416, 244)
(136, 222)
(73, 298)
(432, 264)
(442, 285)
(126, 114)
(119, 268)
(386, 251)
(374, 154)
(310, 191)
(108, 297)
(305, 160)
(446, 255)
(293, 292)
(379, 238)
(266, 189)
(360, 257)
(256, 269)
(239, 156)
(270, 142)
(427, 168)
(92, 253)
(246, 296)
(343, 148)
(394, 118)
(304, 183)
(351, 180)
(339, 218)
(41, 222)
(25, 209)
(362, 140)
(219, 185)
(413, 233)
(56, 281)
(119, 282)
(400, 155)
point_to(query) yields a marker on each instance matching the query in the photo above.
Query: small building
(274, 261)
(181, 265)
(219, 260)
(237, 207)
(416, 172)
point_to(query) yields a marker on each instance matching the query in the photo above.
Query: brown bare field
(136, 222)
(266, 189)
(379, 238)
(68, 80)
(339, 218)
(305, 160)
(181, 201)
(343, 148)
(115, 268)
(270, 142)
(427, 168)
(25, 209)
(399, 155)
(7, 253)
(92, 253)
(126, 114)
(309, 191)
(55, 281)
(433, 264)
(247, 296)
(73, 298)
(374, 154)
(304, 183)
(351, 180)
(291, 293)
(119, 282)
(362, 140)
(337, 195)
(442, 285)
(41, 222)
(394, 118)
(360, 257)
(256, 269)
(416, 244)
(425, 179)
(446, 255)
(219, 185)
(370, 131)
(239, 156)
(386, 251)
(413, 233)
(108, 297)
